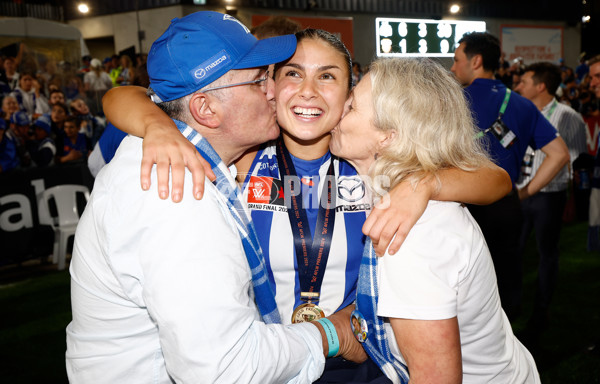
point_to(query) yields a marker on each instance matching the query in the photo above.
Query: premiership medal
(307, 312)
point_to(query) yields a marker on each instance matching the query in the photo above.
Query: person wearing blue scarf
(165, 292)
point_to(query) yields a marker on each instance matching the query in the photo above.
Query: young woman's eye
(328, 76)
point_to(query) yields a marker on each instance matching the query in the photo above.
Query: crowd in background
(55, 116)
(74, 95)
(573, 91)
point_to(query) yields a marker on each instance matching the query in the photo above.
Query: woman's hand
(163, 144)
(171, 151)
(397, 212)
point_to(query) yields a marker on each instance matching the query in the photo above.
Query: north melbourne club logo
(231, 18)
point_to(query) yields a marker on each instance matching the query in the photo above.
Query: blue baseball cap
(200, 48)
(44, 122)
(20, 118)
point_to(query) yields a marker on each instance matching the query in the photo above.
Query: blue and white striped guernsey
(228, 188)
(264, 194)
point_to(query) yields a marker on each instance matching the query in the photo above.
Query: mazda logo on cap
(199, 73)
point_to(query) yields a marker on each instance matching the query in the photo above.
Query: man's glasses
(262, 82)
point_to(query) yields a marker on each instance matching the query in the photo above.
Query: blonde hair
(425, 107)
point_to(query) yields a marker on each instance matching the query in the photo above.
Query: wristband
(331, 335)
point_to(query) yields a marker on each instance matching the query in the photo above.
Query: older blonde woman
(436, 301)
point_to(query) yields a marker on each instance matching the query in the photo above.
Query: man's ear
(206, 110)
(541, 87)
(477, 61)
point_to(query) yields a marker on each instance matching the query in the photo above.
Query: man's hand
(350, 348)
(169, 150)
(396, 214)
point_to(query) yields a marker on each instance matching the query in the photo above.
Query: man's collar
(548, 105)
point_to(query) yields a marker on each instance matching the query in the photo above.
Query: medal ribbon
(311, 262)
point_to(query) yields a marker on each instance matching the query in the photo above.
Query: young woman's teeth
(307, 112)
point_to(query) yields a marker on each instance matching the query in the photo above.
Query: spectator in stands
(570, 90)
(58, 115)
(42, 147)
(127, 72)
(504, 73)
(96, 82)
(92, 126)
(357, 72)
(29, 97)
(85, 65)
(141, 72)
(72, 85)
(516, 80)
(8, 148)
(276, 26)
(20, 124)
(582, 69)
(4, 87)
(9, 107)
(115, 70)
(56, 96)
(75, 144)
(107, 65)
(12, 75)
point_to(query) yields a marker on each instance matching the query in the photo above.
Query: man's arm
(196, 289)
(431, 349)
(129, 109)
(557, 155)
(397, 215)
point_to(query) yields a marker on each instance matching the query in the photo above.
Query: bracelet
(332, 337)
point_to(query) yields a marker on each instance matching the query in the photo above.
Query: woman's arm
(129, 109)
(431, 349)
(396, 214)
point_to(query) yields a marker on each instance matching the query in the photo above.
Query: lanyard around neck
(310, 257)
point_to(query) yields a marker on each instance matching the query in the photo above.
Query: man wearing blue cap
(42, 148)
(20, 124)
(165, 291)
(8, 148)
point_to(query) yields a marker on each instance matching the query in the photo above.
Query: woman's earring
(376, 155)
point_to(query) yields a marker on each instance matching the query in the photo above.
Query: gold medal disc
(307, 312)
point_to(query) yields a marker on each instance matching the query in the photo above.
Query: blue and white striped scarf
(367, 297)
(264, 296)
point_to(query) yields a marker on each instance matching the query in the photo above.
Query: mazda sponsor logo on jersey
(350, 188)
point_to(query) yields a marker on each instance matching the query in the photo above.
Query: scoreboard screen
(416, 37)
